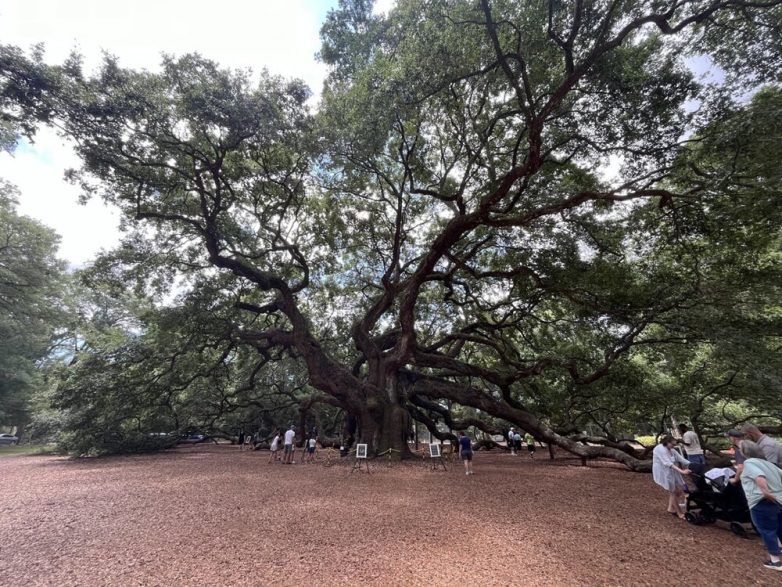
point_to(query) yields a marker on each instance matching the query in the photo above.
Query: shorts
(466, 455)
(311, 449)
(288, 448)
(531, 447)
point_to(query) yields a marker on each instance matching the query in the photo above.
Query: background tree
(30, 306)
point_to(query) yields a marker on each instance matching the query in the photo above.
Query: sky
(280, 35)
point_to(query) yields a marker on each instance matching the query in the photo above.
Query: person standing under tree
(311, 444)
(512, 441)
(465, 452)
(275, 447)
(530, 442)
(735, 437)
(692, 444)
(241, 439)
(517, 442)
(287, 457)
(772, 450)
(667, 473)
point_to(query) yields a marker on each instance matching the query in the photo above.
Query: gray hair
(750, 429)
(751, 450)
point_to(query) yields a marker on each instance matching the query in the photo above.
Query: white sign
(434, 450)
(361, 451)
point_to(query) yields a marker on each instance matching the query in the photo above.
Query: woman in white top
(668, 474)
(275, 447)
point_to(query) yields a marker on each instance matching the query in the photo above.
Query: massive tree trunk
(385, 427)
(393, 432)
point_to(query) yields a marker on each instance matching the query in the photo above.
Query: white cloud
(37, 170)
(279, 35)
(383, 6)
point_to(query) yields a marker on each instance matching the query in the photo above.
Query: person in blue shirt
(465, 452)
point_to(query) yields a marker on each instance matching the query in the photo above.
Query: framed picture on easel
(434, 451)
(361, 451)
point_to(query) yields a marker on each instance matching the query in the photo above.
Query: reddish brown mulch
(212, 515)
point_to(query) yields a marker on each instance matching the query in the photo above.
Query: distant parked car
(196, 438)
(8, 439)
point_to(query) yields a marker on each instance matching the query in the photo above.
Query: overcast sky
(281, 35)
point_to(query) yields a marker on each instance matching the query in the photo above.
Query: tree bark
(384, 427)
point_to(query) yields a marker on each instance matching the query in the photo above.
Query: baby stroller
(716, 499)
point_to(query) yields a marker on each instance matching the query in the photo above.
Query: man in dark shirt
(735, 437)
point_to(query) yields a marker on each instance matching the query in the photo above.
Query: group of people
(288, 448)
(515, 440)
(758, 462)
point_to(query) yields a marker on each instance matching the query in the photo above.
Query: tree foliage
(30, 306)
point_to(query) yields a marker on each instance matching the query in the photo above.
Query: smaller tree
(30, 305)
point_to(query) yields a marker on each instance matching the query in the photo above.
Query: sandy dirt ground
(214, 515)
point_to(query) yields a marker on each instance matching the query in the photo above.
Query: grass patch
(28, 449)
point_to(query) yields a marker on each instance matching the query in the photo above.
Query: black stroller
(717, 500)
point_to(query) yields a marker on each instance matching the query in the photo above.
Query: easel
(361, 455)
(436, 457)
(357, 465)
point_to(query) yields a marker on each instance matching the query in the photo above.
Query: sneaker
(777, 566)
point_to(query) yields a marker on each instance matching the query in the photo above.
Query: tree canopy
(501, 212)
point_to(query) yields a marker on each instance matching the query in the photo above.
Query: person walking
(529, 440)
(512, 441)
(311, 445)
(667, 473)
(762, 483)
(241, 440)
(273, 456)
(692, 445)
(772, 450)
(465, 452)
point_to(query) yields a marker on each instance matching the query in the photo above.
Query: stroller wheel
(692, 518)
(738, 529)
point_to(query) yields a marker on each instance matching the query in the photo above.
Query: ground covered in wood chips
(214, 515)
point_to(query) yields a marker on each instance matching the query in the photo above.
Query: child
(311, 443)
(275, 447)
(530, 440)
